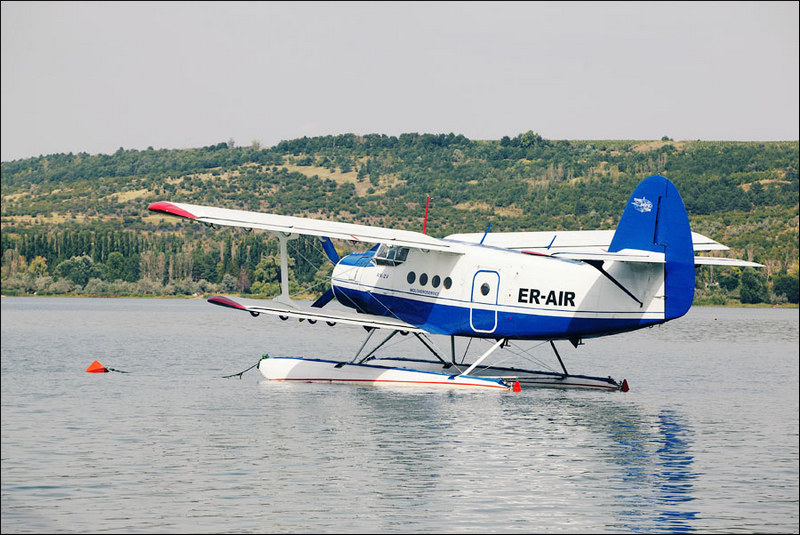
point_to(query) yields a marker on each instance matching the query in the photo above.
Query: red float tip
(517, 388)
(96, 367)
(624, 386)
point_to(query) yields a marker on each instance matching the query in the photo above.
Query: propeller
(324, 299)
(333, 256)
(330, 250)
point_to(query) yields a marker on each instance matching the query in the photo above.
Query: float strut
(368, 355)
(360, 349)
(559, 358)
(482, 357)
(432, 350)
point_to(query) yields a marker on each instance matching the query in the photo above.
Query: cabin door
(483, 305)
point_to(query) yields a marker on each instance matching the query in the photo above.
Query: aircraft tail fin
(655, 220)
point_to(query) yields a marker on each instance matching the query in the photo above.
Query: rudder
(655, 220)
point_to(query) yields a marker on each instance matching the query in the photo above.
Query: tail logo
(642, 205)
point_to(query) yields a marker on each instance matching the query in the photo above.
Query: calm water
(706, 440)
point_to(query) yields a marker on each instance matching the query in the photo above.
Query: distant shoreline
(311, 298)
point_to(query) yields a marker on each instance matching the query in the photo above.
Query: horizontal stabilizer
(729, 262)
(284, 311)
(550, 242)
(626, 255)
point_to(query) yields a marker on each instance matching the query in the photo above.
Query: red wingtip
(517, 387)
(96, 367)
(221, 300)
(624, 386)
(171, 209)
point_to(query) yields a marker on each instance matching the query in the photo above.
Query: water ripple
(706, 440)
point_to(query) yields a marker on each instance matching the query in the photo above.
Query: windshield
(390, 255)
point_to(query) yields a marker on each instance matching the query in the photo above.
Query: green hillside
(78, 223)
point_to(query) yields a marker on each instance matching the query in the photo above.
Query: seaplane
(503, 288)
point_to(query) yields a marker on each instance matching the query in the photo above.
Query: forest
(78, 224)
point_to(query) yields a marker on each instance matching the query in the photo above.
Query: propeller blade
(330, 250)
(324, 299)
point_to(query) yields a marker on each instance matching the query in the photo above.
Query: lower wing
(285, 311)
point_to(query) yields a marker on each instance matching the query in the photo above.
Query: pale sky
(93, 77)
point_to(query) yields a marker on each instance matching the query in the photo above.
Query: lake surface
(706, 440)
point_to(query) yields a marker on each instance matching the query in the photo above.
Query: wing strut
(283, 238)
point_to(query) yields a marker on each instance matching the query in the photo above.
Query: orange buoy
(517, 388)
(96, 367)
(624, 386)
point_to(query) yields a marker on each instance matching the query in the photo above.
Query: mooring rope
(239, 375)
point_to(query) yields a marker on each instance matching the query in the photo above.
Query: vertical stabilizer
(655, 220)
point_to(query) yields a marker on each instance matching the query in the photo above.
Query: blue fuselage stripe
(453, 318)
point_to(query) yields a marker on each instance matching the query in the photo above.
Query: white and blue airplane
(560, 285)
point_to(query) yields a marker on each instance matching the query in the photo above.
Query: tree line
(131, 263)
(63, 207)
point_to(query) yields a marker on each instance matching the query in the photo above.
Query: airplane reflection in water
(661, 479)
(642, 463)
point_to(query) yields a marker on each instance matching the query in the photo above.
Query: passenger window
(423, 279)
(411, 277)
(435, 281)
(448, 282)
(485, 289)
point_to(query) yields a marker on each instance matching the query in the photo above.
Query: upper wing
(302, 225)
(288, 225)
(592, 245)
(286, 310)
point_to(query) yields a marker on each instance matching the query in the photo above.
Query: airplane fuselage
(497, 293)
(562, 285)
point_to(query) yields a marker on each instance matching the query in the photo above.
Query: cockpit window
(390, 255)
